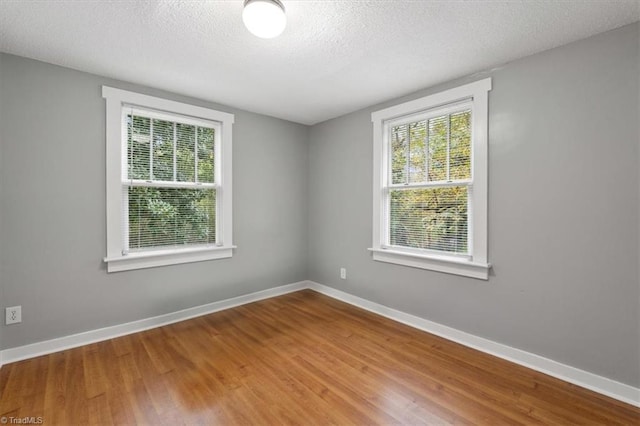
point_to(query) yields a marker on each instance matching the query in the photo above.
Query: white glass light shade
(264, 18)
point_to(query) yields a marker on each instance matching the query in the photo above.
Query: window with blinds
(169, 189)
(169, 192)
(428, 181)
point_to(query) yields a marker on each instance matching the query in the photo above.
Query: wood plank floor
(302, 358)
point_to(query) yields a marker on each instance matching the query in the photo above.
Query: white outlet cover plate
(13, 315)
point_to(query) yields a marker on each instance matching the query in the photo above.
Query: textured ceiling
(333, 58)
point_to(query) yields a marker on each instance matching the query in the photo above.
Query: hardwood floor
(302, 358)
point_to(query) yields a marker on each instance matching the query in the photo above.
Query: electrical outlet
(13, 315)
(343, 273)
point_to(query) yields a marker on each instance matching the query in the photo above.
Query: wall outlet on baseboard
(343, 273)
(13, 315)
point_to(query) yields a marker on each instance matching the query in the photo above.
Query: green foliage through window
(163, 153)
(434, 219)
(168, 217)
(434, 150)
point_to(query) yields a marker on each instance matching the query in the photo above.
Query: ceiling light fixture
(264, 18)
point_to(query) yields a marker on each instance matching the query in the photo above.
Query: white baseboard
(67, 342)
(611, 388)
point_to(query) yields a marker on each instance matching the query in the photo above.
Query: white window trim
(116, 261)
(476, 265)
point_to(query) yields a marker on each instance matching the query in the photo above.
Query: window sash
(127, 182)
(174, 118)
(436, 184)
(126, 249)
(386, 218)
(406, 120)
(169, 184)
(388, 186)
(215, 242)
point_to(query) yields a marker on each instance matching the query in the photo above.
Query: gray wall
(52, 214)
(563, 212)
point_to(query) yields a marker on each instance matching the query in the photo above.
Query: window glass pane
(418, 152)
(438, 135)
(162, 150)
(138, 147)
(434, 219)
(206, 138)
(460, 150)
(171, 217)
(185, 152)
(399, 141)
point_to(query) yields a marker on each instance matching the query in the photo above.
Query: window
(430, 182)
(168, 182)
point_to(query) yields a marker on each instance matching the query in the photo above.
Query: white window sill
(449, 265)
(150, 259)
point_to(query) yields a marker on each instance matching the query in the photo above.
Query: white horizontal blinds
(139, 147)
(434, 219)
(460, 146)
(185, 153)
(160, 217)
(429, 181)
(409, 156)
(438, 148)
(205, 163)
(417, 151)
(399, 150)
(170, 191)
